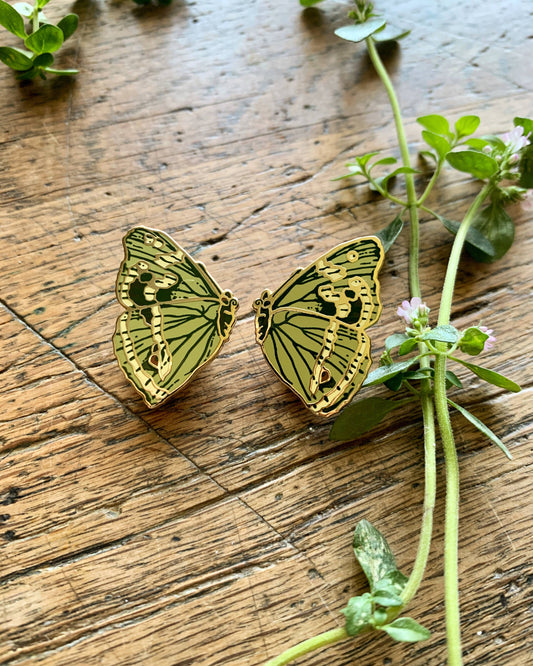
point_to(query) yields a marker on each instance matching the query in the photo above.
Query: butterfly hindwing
(312, 328)
(176, 317)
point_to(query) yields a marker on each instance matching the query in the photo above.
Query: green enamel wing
(312, 329)
(176, 316)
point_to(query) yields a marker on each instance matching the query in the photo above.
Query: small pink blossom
(489, 341)
(413, 311)
(515, 140)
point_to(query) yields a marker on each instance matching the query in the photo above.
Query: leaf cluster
(362, 415)
(36, 58)
(486, 158)
(379, 608)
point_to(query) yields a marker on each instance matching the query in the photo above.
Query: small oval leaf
(362, 416)
(406, 630)
(360, 31)
(385, 372)
(15, 58)
(47, 39)
(479, 165)
(444, 333)
(11, 20)
(466, 125)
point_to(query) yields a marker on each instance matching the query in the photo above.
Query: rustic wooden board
(217, 529)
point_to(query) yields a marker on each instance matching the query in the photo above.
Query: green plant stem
(35, 18)
(451, 523)
(429, 186)
(455, 255)
(430, 490)
(414, 251)
(315, 643)
(419, 566)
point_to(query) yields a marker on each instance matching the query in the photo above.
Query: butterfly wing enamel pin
(312, 329)
(176, 316)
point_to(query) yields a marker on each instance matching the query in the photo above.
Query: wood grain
(217, 529)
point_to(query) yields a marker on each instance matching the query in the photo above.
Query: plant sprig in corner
(41, 39)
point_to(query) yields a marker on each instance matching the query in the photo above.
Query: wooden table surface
(217, 529)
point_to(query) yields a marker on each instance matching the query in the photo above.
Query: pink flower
(413, 311)
(490, 339)
(515, 140)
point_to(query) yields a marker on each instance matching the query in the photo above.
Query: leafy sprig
(415, 360)
(40, 41)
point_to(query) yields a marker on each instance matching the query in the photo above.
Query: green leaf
(435, 124)
(495, 141)
(526, 123)
(364, 159)
(385, 372)
(453, 380)
(445, 333)
(11, 20)
(395, 340)
(387, 598)
(15, 58)
(473, 341)
(477, 144)
(396, 172)
(526, 167)
(439, 143)
(407, 346)
(43, 60)
(406, 630)
(421, 373)
(358, 614)
(42, 3)
(23, 8)
(395, 383)
(47, 39)
(384, 160)
(475, 240)
(373, 553)
(362, 416)
(427, 155)
(466, 125)
(490, 376)
(390, 233)
(309, 3)
(390, 34)
(360, 31)
(380, 616)
(479, 165)
(387, 591)
(482, 427)
(394, 581)
(495, 225)
(68, 25)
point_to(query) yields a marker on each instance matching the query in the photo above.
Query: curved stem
(429, 186)
(430, 490)
(451, 523)
(315, 643)
(414, 280)
(455, 255)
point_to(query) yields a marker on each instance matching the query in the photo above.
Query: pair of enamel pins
(311, 329)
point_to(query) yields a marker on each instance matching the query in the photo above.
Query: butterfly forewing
(176, 316)
(312, 327)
